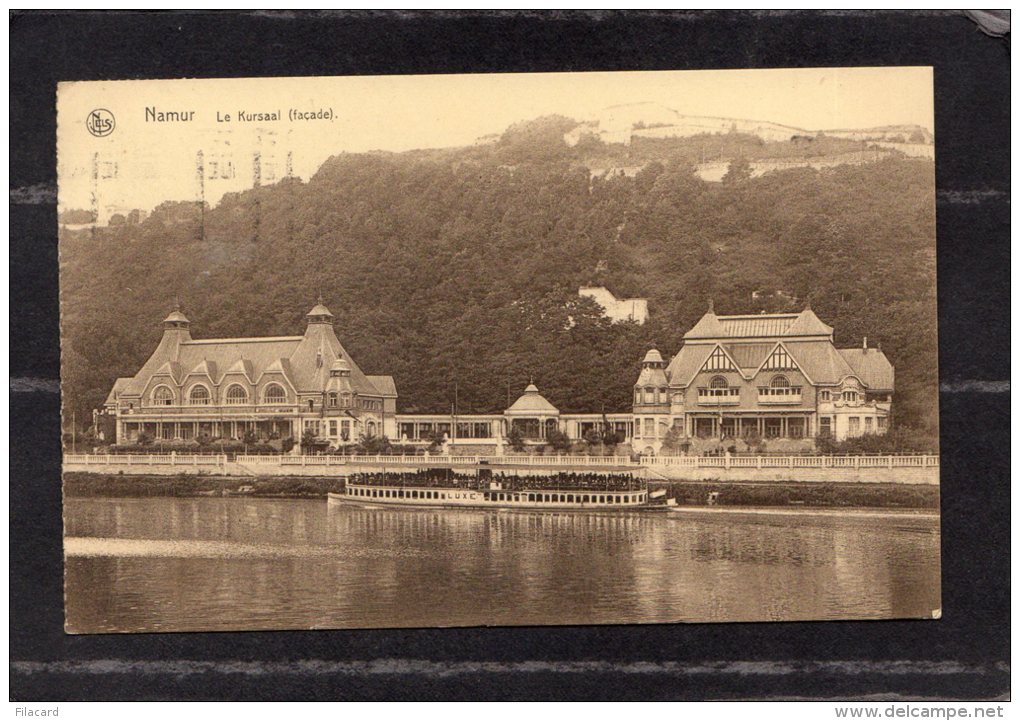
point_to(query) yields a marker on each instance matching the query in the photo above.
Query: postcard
(496, 350)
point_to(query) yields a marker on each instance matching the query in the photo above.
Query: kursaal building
(741, 382)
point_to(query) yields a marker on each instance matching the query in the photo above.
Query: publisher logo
(100, 122)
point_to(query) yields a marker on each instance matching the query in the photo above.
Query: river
(189, 564)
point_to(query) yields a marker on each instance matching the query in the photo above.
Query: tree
(675, 440)
(435, 439)
(374, 446)
(308, 440)
(558, 440)
(145, 439)
(516, 439)
(738, 172)
(592, 437)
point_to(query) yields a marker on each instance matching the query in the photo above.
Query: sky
(143, 162)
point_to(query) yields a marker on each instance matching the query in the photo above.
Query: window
(718, 388)
(867, 424)
(882, 424)
(849, 396)
(779, 389)
(236, 395)
(275, 393)
(162, 396)
(825, 427)
(199, 396)
(855, 426)
(332, 400)
(649, 428)
(825, 396)
(332, 428)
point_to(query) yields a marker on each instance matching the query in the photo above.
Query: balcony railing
(777, 396)
(718, 396)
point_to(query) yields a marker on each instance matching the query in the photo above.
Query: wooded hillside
(462, 266)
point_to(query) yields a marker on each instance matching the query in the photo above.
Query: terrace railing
(222, 461)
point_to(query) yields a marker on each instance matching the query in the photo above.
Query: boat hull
(535, 500)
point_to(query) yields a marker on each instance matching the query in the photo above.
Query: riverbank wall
(686, 493)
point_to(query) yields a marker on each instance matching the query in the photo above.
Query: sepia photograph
(523, 349)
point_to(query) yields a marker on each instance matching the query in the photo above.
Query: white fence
(152, 459)
(766, 462)
(793, 461)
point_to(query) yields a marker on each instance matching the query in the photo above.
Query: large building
(274, 388)
(738, 381)
(776, 378)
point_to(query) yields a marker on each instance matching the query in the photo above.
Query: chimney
(865, 343)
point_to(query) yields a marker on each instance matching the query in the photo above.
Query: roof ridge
(256, 339)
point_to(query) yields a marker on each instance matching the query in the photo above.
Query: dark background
(964, 655)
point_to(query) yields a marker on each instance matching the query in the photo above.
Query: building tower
(651, 403)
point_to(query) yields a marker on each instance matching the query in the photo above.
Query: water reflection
(230, 563)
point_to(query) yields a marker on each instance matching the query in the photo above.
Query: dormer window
(333, 400)
(850, 396)
(275, 394)
(199, 396)
(162, 396)
(236, 396)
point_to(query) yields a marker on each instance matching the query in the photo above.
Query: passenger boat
(443, 488)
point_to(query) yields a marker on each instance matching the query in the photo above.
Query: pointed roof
(176, 317)
(118, 386)
(303, 361)
(808, 323)
(532, 402)
(819, 361)
(205, 367)
(686, 364)
(871, 366)
(385, 385)
(708, 327)
(763, 325)
(319, 309)
(653, 356)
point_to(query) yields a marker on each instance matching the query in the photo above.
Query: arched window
(236, 395)
(780, 382)
(162, 396)
(371, 429)
(199, 396)
(275, 393)
(718, 382)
